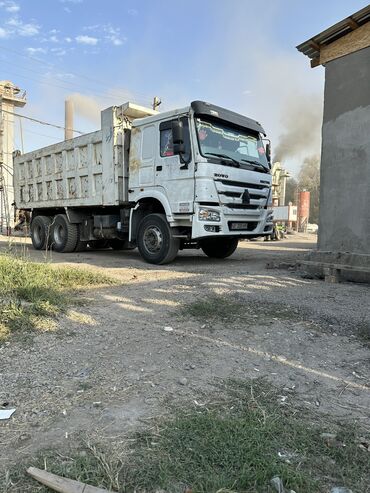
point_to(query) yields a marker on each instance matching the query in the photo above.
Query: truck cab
(209, 171)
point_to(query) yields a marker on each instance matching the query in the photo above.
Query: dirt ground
(117, 363)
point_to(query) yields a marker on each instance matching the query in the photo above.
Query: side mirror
(178, 137)
(268, 152)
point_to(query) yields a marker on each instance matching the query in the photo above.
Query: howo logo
(219, 175)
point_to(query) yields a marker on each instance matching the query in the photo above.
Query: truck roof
(160, 116)
(205, 109)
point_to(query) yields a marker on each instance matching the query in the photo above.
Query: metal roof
(311, 47)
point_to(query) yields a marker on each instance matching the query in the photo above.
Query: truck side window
(166, 141)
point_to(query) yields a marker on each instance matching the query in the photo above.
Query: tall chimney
(68, 130)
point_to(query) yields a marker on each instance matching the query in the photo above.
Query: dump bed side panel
(82, 172)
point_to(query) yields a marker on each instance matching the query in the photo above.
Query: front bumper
(251, 223)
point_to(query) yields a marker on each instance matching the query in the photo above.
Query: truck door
(174, 173)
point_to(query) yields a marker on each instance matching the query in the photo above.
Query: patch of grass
(33, 294)
(237, 444)
(213, 307)
(227, 308)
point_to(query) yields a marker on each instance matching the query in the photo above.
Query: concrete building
(10, 98)
(344, 225)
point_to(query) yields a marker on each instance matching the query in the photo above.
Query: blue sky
(236, 53)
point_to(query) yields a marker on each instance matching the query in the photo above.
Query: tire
(219, 247)
(117, 244)
(81, 246)
(64, 235)
(155, 241)
(40, 232)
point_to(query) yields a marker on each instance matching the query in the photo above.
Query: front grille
(242, 184)
(241, 206)
(232, 194)
(253, 196)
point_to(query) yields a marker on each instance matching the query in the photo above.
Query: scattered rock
(277, 484)
(168, 329)
(340, 489)
(97, 404)
(328, 436)
(183, 381)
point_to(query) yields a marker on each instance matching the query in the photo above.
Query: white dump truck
(196, 177)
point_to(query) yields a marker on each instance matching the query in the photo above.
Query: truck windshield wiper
(256, 163)
(224, 156)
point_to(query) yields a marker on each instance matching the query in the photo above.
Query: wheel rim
(58, 234)
(153, 239)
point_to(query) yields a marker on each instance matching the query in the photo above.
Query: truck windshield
(233, 145)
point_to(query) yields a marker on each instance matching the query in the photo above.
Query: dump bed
(90, 170)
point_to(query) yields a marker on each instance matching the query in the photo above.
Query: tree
(309, 179)
(291, 191)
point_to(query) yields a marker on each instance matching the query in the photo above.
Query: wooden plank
(62, 485)
(350, 43)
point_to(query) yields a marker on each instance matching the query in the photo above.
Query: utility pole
(10, 97)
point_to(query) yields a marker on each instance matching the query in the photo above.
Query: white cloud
(68, 39)
(108, 33)
(36, 51)
(21, 28)
(86, 40)
(117, 41)
(10, 6)
(71, 1)
(132, 12)
(67, 9)
(3, 33)
(58, 51)
(53, 39)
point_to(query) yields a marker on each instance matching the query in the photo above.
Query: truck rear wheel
(40, 232)
(64, 235)
(155, 241)
(219, 247)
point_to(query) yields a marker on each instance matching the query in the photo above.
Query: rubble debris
(6, 413)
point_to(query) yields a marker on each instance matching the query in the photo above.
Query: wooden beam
(352, 23)
(353, 41)
(63, 485)
(315, 62)
(314, 45)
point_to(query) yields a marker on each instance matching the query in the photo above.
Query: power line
(7, 169)
(41, 122)
(45, 63)
(41, 135)
(76, 88)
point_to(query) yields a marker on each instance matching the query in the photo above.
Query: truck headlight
(209, 215)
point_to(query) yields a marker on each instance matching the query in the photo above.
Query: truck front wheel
(155, 241)
(64, 235)
(219, 247)
(40, 232)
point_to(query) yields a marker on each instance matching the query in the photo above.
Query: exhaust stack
(69, 109)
